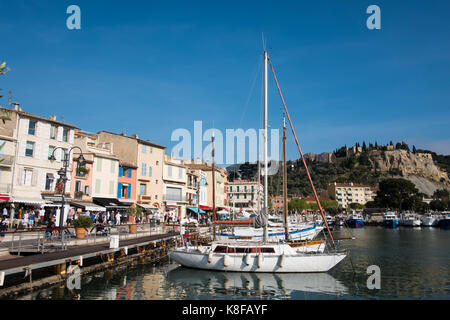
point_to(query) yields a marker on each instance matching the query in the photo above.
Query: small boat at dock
(390, 220)
(355, 220)
(430, 220)
(410, 220)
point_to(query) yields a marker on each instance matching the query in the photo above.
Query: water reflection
(274, 285)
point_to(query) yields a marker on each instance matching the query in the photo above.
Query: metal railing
(37, 240)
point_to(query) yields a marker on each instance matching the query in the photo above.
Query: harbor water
(414, 263)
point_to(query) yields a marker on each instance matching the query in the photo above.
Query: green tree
(298, 205)
(398, 194)
(356, 206)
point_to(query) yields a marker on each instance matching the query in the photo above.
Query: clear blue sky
(153, 66)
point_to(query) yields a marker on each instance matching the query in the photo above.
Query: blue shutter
(130, 172)
(150, 171)
(119, 190)
(120, 171)
(129, 191)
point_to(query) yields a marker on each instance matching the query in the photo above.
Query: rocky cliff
(419, 168)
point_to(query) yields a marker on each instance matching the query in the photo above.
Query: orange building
(126, 187)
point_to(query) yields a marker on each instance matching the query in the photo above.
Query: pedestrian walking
(118, 216)
(3, 228)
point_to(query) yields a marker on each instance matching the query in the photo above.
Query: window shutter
(129, 191)
(149, 172)
(120, 171)
(44, 178)
(38, 128)
(37, 150)
(119, 190)
(58, 155)
(60, 133)
(26, 124)
(34, 178)
(71, 135)
(130, 172)
(22, 146)
(47, 129)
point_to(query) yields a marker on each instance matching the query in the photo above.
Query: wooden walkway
(37, 261)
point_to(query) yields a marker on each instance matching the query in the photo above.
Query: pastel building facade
(347, 193)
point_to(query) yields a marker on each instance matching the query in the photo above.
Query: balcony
(144, 198)
(6, 160)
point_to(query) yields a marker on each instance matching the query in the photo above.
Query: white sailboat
(264, 256)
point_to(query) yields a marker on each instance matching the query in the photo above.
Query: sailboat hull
(270, 262)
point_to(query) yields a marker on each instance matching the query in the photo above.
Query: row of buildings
(118, 171)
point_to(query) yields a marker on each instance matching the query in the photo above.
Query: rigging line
(259, 64)
(301, 153)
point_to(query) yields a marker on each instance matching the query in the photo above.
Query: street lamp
(63, 175)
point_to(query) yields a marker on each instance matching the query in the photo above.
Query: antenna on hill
(10, 98)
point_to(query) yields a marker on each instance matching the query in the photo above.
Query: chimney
(53, 117)
(16, 106)
(135, 136)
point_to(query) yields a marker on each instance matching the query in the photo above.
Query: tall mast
(266, 195)
(214, 189)
(285, 206)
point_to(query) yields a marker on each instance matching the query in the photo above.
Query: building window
(150, 171)
(156, 197)
(29, 149)
(49, 178)
(144, 169)
(157, 163)
(86, 190)
(173, 194)
(53, 132)
(50, 151)
(77, 190)
(32, 127)
(26, 178)
(156, 181)
(142, 189)
(65, 134)
(144, 148)
(64, 155)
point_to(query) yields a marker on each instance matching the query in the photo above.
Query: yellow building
(347, 193)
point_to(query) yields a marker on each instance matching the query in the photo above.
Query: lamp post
(63, 175)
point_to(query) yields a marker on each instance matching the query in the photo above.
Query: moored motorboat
(390, 220)
(410, 220)
(355, 220)
(429, 220)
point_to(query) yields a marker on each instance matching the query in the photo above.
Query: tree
(414, 149)
(356, 206)
(364, 147)
(3, 68)
(398, 194)
(439, 205)
(441, 194)
(298, 205)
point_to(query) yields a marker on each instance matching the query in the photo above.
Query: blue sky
(150, 67)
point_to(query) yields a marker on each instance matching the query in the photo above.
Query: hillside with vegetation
(365, 164)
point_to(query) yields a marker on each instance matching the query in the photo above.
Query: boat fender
(260, 260)
(247, 259)
(226, 260)
(210, 256)
(282, 258)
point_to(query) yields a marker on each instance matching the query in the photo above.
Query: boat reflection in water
(271, 284)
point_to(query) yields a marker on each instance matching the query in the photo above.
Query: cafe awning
(205, 208)
(195, 209)
(88, 206)
(110, 203)
(147, 207)
(30, 201)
